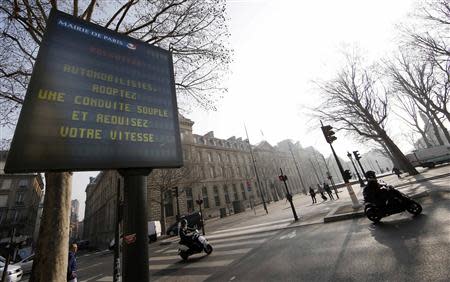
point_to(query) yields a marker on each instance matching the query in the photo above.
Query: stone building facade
(20, 197)
(218, 171)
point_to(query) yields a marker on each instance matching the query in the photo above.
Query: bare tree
(195, 31)
(162, 182)
(413, 120)
(357, 102)
(418, 80)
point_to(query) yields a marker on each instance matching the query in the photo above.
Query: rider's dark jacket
(374, 194)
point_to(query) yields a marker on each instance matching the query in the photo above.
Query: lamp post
(361, 182)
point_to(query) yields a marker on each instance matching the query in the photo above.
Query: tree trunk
(398, 155)
(443, 128)
(50, 264)
(390, 156)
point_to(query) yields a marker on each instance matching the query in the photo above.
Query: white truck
(429, 157)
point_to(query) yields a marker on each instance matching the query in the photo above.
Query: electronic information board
(96, 100)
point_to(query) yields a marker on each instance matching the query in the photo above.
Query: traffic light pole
(355, 203)
(288, 195)
(135, 230)
(256, 173)
(361, 182)
(362, 169)
(116, 267)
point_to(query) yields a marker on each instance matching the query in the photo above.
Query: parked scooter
(397, 202)
(199, 244)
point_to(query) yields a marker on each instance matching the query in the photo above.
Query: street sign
(96, 100)
(249, 186)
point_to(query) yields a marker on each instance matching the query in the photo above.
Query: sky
(280, 47)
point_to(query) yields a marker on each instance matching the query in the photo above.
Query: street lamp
(361, 182)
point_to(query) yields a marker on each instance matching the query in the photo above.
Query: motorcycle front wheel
(414, 208)
(208, 249)
(184, 255)
(373, 214)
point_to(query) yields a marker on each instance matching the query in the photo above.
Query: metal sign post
(288, 195)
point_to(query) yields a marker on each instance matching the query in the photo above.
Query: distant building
(74, 223)
(20, 198)
(218, 171)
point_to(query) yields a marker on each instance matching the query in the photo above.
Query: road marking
(220, 246)
(91, 265)
(91, 278)
(162, 250)
(216, 253)
(251, 236)
(203, 264)
(252, 231)
(184, 278)
(289, 235)
(105, 279)
(252, 226)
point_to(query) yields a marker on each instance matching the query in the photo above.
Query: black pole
(135, 233)
(203, 221)
(361, 182)
(8, 258)
(178, 203)
(288, 195)
(116, 270)
(298, 170)
(362, 169)
(256, 173)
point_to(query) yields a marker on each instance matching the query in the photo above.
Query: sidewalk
(405, 185)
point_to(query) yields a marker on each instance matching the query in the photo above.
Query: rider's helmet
(371, 175)
(183, 223)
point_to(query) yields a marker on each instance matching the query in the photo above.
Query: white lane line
(89, 266)
(216, 253)
(220, 246)
(251, 226)
(237, 238)
(184, 278)
(162, 250)
(105, 279)
(91, 278)
(217, 263)
(252, 231)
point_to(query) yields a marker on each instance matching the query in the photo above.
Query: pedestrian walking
(320, 190)
(327, 189)
(397, 172)
(72, 265)
(312, 193)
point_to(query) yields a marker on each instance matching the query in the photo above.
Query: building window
(168, 203)
(205, 197)
(3, 201)
(189, 199)
(227, 195)
(20, 198)
(203, 173)
(216, 196)
(235, 193)
(199, 156)
(244, 196)
(6, 184)
(219, 157)
(224, 174)
(229, 158)
(23, 183)
(239, 171)
(212, 172)
(210, 159)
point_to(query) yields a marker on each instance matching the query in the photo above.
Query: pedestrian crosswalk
(168, 266)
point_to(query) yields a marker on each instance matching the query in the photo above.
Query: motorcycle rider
(184, 232)
(373, 192)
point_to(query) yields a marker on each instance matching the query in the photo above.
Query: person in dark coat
(397, 172)
(312, 193)
(72, 265)
(320, 189)
(327, 189)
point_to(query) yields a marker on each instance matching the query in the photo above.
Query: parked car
(26, 264)
(83, 245)
(194, 221)
(14, 272)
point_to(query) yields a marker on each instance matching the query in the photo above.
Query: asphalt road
(401, 248)
(249, 247)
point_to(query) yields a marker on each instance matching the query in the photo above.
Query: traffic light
(356, 154)
(328, 133)
(347, 175)
(199, 202)
(282, 177)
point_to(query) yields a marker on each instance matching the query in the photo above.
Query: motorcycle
(199, 244)
(397, 202)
